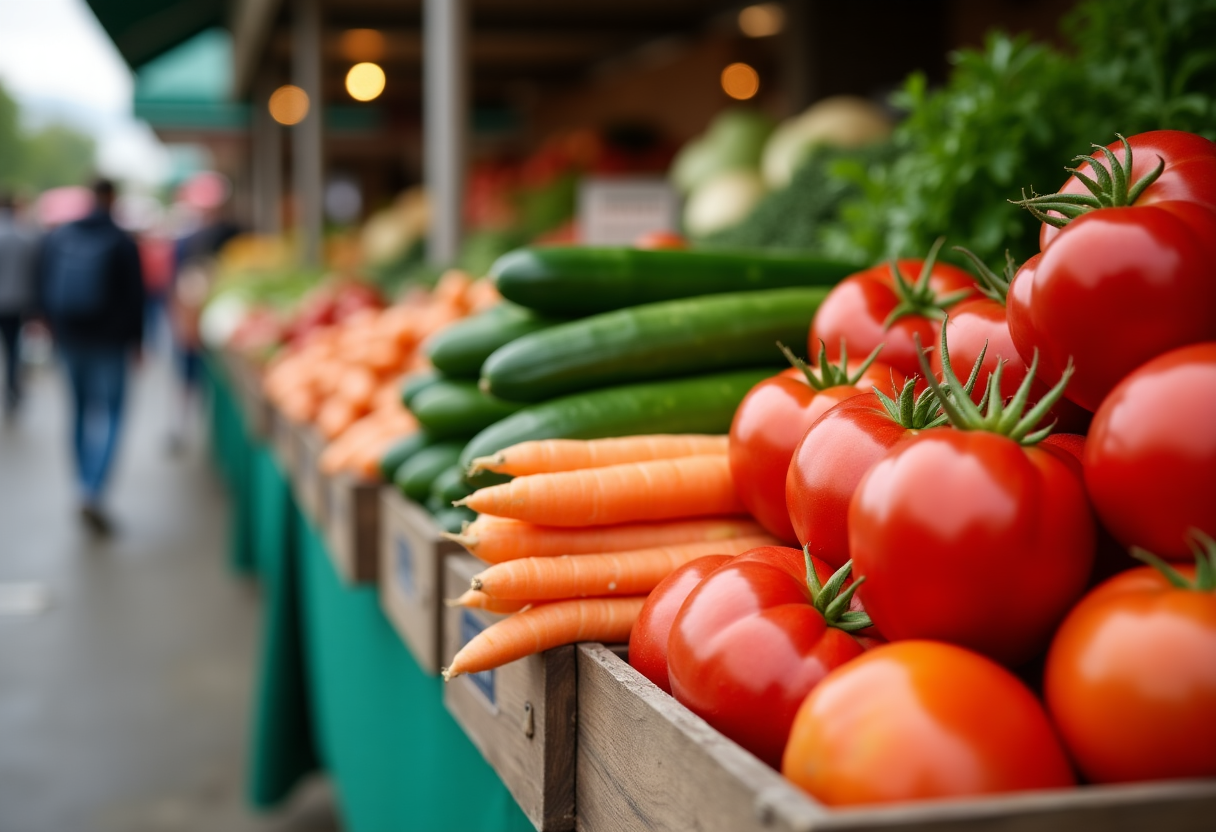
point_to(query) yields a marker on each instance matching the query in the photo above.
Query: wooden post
(267, 141)
(307, 160)
(445, 118)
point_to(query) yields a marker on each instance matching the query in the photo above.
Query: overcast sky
(57, 61)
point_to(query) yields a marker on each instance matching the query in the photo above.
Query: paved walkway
(124, 701)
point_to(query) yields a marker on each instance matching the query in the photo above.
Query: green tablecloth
(336, 687)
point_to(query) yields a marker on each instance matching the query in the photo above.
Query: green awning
(145, 29)
(190, 87)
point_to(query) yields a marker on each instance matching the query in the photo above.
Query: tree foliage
(34, 160)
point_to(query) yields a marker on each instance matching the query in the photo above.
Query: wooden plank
(255, 407)
(283, 441)
(352, 526)
(521, 716)
(645, 762)
(308, 483)
(411, 575)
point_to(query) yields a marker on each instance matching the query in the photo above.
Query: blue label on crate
(405, 566)
(469, 628)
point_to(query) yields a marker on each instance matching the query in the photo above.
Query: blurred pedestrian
(18, 294)
(93, 297)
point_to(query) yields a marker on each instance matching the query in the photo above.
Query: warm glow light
(361, 45)
(740, 81)
(288, 104)
(365, 81)
(762, 20)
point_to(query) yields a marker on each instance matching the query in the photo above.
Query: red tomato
(1189, 174)
(1131, 679)
(971, 538)
(1119, 286)
(982, 321)
(921, 719)
(661, 239)
(768, 425)
(1150, 462)
(829, 462)
(749, 643)
(648, 638)
(858, 308)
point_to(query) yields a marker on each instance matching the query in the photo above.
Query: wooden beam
(308, 175)
(252, 25)
(445, 123)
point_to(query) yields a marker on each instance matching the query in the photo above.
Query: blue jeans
(98, 378)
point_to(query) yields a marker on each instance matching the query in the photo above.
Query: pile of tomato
(1007, 574)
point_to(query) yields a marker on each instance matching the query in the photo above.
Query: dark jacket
(121, 320)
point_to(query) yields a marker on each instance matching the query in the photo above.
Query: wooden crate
(646, 762)
(308, 483)
(412, 553)
(286, 448)
(521, 716)
(352, 526)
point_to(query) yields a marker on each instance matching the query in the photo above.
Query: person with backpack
(92, 295)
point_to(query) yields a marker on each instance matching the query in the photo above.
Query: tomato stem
(1204, 548)
(919, 298)
(925, 410)
(992, 285)
(1107, 188)
(829, 599)
(830, 375)
(1010, 418)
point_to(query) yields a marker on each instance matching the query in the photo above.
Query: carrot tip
(485, 463)
(476, 584)
(448, 675)
(463, 502)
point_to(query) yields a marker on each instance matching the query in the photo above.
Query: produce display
(924, 508)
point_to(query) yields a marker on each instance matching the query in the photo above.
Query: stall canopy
(189, 87)
(145, 29)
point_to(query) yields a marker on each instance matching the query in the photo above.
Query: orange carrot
(614, 573)
(543, 627)
(661, 489)
(547, 456)
(480, 601)
(498, 539)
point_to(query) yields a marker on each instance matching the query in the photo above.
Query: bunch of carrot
(585, 531)
(344, 378)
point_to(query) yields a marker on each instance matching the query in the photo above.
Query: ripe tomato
(859, 308)
(1150, 461)
(829, 462)
(980, 325)
(921, 719)
(648, 638)
(969, 537)
(750, 642)
(1131, 678)
(661, 239)
(771, 420)
(1118, 286)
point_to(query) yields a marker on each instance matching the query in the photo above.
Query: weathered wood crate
(411, 553)
(351, 508)
(521, 716)
(255, 407)
(645, 762)
(307, 482)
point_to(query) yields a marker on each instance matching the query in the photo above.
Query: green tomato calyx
(919, 298)
(1011, 418)
(831, 600)
(922, 412)
(1204, 548)
(1108, 188)
(830, 375)
(991, 285)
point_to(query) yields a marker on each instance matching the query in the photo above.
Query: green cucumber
(451, 408)
(450, 486)
(452, 519)
(657, 340)
(416, 382)
(700, 404)
(459, 350)
(402, 449)
(581, 280)
(418, 473)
